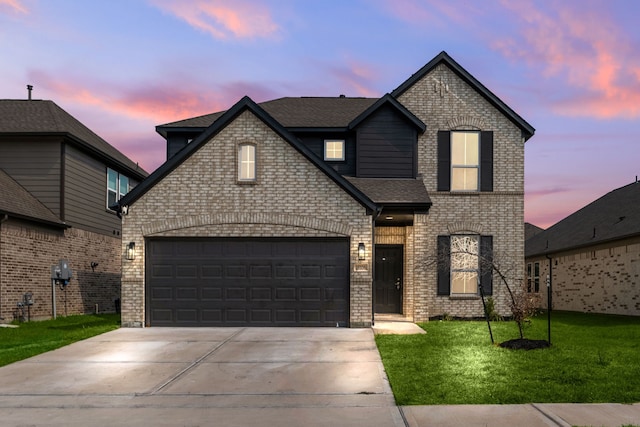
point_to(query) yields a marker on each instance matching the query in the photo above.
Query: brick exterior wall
(443, 101)
(27, 253)
(202, 197)
(293, 198)
(600, 279)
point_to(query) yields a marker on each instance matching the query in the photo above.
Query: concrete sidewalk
(532, 415)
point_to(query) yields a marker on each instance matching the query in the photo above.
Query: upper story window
(247, 162)
(465, 161)
(334, 149)
(117, 186)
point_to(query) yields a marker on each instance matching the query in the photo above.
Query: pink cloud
(357, 76)
(14, 6)
(223, 19)
(584, 47)
(156, 102)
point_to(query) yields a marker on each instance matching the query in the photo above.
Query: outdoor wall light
(131, 251)
(361, 251)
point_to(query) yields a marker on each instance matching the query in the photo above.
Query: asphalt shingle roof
(45, 117)
(615, 215)
(393, 190)
(15, 200)
(304, 112)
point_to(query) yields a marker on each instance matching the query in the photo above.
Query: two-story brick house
(327, 211)
(57, 181)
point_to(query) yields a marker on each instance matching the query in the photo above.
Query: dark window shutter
(486, 161)
(486, 264)
(444, 273)
(444, 160)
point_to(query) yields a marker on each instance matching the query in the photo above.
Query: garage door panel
(261, 282)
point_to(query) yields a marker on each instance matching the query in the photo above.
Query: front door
(388, 279)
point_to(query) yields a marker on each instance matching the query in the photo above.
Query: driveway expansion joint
(194, 363)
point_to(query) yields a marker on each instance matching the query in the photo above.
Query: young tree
(465, 258)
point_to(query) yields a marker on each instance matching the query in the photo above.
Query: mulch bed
(524, 344)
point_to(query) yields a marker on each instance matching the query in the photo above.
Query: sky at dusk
(571, 68)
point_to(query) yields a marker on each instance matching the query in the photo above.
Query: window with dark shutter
(486, 161)
(444, 273)
(486, 264)
(444, 160)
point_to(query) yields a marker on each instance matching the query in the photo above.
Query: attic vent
(29, 89)
(342, 95)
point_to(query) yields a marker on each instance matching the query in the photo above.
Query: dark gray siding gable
(386, 146)
(36, 168)
(85, 194)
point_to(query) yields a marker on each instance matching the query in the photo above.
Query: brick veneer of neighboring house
(594, 255)
(27, 253)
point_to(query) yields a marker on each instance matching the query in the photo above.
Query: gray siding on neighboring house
(386, 146)
(86, 194)
(37, 168)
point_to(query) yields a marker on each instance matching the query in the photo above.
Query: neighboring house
(57, 179)
(531, 230)
(328, 211)
(593, 256)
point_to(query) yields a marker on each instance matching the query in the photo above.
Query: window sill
(464, 297)
(255, 182)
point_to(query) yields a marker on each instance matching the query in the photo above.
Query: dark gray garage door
(254, 282)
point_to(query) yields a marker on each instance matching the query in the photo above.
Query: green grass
(593, 358)
(33, 338)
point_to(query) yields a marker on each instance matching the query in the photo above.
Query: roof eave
(60, 225)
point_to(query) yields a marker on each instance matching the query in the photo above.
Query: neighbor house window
(117, 186)
(465, 161)
(464, 264)
(247, 162)
(529, 277)
(536, 277)
(334, 149)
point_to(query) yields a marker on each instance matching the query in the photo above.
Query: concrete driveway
(204, 377)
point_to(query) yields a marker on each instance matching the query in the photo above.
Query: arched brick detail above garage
(198, 221)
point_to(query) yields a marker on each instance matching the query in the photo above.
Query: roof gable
(245, 104)
(388, 99)
(444, 58)
(46, 117)
(616, 215)
(16, 201)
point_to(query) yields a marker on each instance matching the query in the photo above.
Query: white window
(464, 264)
(465, 161)
(334, 149)
(246, 162)
(117, 186)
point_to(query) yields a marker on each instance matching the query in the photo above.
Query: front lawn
(33, 338)
(593, 358)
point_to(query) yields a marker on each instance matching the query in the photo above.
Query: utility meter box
(61, 273)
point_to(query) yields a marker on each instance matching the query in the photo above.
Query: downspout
(3, 219)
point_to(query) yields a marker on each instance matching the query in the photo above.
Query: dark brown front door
(388, 280)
